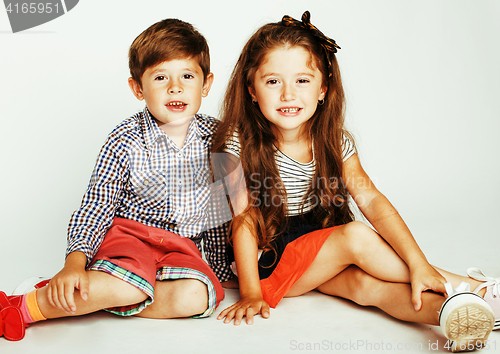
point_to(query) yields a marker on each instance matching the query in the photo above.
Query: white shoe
(492, 295)
(30, 284)
(465, 319)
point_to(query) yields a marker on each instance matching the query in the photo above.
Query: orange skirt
(297, 257)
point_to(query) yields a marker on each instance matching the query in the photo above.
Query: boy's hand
(424, 278)
(61, 288)
(247, 307)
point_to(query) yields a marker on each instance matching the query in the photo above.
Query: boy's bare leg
(177, 298)
(393, 298)
(105, 291)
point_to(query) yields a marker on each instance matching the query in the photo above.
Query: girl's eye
(160, 78)
(302, 81)
(272, 81)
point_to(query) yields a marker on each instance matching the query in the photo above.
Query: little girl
(293, 230)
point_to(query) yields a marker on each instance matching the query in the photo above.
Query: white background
(422, 80)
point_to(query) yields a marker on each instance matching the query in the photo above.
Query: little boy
(147, 207)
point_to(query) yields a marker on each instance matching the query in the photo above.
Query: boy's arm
(73, 276)
(215, 247)
(90, 222)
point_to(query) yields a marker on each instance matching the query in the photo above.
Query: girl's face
(287, 86)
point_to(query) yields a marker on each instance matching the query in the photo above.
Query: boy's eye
(160, 77)
(188, 76)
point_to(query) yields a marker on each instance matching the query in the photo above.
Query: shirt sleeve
(348, 148)
(233, 144)
(89, 223)
(216, 236)
(215, 249)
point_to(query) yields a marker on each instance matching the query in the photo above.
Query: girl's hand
(61, 288)
(423, 278)
(247, 307)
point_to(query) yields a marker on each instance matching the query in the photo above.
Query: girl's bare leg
(393, 298)
(455, 280)
(357, 244)
(353, 243)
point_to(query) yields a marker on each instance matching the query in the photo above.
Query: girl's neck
(294, 145)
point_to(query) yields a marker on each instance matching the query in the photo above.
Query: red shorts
(140, 255)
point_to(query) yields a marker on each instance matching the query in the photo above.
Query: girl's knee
(362, 287)
(357, 229)
(360, 238)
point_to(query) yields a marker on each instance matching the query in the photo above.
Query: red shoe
(30, 284)
(12, 325)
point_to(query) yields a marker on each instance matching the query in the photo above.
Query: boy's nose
(175, 87)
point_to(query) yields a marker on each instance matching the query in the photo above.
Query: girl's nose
(287, 94)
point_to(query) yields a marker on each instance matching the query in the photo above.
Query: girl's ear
(136, 88)
(322, 93)
(252, 93)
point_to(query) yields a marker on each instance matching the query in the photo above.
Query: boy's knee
(191, 298)
(178, 298)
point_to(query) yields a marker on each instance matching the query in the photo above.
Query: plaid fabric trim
(128, 277)
(174, 273)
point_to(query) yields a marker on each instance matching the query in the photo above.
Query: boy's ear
(136, 88)
(207, 85)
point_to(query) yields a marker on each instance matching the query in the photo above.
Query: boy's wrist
(76, 259)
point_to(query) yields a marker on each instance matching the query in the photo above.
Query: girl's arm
(245, 252)
(252, 302)
(389, 224)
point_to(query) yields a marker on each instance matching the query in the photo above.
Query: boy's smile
(172, 89)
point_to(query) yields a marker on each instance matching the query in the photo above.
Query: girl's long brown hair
(325, 129)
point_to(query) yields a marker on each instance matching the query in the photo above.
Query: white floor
(311, 323)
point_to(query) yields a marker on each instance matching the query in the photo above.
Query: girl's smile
(287, 87)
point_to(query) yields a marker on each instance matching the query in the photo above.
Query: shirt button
(179, 154)
(171, 225)
(146, 182)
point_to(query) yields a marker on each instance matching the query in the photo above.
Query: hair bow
(327, 43)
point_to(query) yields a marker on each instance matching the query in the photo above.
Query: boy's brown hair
(167, 40)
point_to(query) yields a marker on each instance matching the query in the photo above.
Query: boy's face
(172, 89)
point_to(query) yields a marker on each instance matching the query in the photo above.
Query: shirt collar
(150, 129)
(199, 127)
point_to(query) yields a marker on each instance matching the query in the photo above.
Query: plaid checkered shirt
(141, 175)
